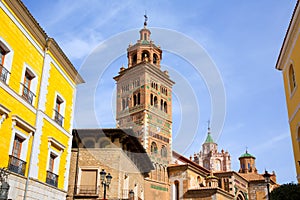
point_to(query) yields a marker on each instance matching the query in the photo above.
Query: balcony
(52, 179)
(58, 118)
(27, 94)
(87, 190)
(3, 73)
(16, 165)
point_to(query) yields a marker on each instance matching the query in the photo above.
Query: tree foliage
(290, 191)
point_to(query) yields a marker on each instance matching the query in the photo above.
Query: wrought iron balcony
(58, 118)
(27, 94)
(16, 165)
(3, 73)
(52, 179)
(87, 190)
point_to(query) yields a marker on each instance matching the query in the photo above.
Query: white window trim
(24, 148)
(3, 113)
(291, 92)
(8, 58)
(56, 160)
(33, 84)
(62, 106)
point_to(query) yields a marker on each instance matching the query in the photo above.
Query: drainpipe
(33, 140)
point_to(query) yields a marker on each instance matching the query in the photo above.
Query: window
(155, 102)
(176, 190)
(4, 53)
(27, 94)
(136, 99)
(88, 181)
(292, 78)
(151, 99)
(155, 59)
(164, 152)
(134, 59)
(59, 110)
(165, 107)
(153, 147)
(52, 172)
(15, 163)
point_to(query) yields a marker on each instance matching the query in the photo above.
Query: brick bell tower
(144, 103)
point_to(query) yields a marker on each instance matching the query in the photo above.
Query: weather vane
(146, 18)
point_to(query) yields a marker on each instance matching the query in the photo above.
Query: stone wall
(125, 174)
(36, 190)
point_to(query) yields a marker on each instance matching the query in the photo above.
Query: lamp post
(267, 180)
(131, 194)
(105, 183)
(4, 188)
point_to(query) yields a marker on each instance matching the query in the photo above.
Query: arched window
(292, 78)
(153, 147)
(161, 104)
(164, 152)
(176, 192)
(145, 56)
(165, 107)
(155, 59)
(134, 100)
(89, 143)
(155, 102)
(134, 59)
(123, 104)
(139, 98)
(151, 99)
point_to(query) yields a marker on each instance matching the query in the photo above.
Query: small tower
(247, 163)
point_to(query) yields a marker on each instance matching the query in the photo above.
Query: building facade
(119, 153)
(289, 63)
(37, 90)
(144, 103)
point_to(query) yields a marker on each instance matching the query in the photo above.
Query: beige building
(116, 151)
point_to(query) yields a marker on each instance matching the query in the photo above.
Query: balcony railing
(3, 73)
(16, 165)
(58, 118)
(87, 190)
(27, 94)
(52, 179)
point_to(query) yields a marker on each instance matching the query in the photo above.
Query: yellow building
(289, 63)
(37, 94)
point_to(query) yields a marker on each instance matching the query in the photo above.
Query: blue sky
(242, 39)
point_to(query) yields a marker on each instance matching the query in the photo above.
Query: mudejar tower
(144, 103)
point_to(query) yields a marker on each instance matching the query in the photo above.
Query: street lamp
(267, 180)
(4, 185)
(105, 183)
(131, 194)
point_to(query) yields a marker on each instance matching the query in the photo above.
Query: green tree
(290, 191)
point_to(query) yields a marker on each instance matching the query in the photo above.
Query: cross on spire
(146, 18)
